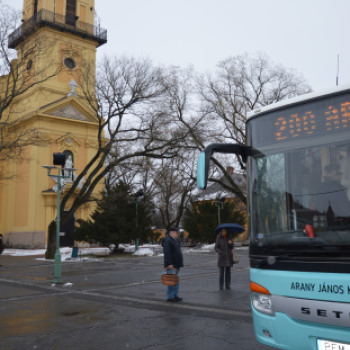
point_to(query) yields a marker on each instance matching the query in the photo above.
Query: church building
(57, 42)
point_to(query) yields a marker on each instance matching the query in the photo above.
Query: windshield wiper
(305, 253)
(272, 259)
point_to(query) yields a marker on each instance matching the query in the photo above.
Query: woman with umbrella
(224, 247)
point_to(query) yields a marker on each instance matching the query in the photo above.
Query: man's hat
(174, 229)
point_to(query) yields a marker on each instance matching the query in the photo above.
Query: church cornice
(37, 116)
(56, 89)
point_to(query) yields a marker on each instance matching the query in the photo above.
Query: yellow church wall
(34, 187)
(20, 208)
(59, 7)
(1, 205)
(8, 198)
(82, 158)
(82, 13)
(40, 183)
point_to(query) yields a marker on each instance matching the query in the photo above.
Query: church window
(71, 12)
(29, 64)
(69, 63)
(35, 7)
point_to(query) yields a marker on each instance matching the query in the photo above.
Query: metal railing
(66, 23)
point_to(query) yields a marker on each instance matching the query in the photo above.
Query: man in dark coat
(172, 260)
(1, 245)
(224, 247)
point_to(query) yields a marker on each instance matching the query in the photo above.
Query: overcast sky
(306, 35)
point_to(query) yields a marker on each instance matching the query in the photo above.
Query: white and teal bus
(298, 170)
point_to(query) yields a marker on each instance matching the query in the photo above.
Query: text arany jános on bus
(320, 288)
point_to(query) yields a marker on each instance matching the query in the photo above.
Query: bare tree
(175, 181)
(241, 84)
(129, 106)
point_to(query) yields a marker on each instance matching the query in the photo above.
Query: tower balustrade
(61, 22)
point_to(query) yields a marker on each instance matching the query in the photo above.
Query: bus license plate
(331, 345)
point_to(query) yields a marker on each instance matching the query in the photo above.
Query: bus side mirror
(204, 159)
(202, 174)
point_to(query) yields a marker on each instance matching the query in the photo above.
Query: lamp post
(220, 205)
(138, 196)
(58, 159)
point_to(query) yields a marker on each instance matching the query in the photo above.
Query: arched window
(35, 7)
(71, 12)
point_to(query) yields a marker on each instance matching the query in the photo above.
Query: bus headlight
(263, 303)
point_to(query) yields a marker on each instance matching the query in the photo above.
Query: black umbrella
(231, 228)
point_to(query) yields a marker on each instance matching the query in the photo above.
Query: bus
(297, 154)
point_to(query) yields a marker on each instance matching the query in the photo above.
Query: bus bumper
(294, 334)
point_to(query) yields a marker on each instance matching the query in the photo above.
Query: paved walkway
(120, 304)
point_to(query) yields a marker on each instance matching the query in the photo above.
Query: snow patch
(144, 252)
(66, 251)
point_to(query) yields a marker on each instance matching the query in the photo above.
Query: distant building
(216, 190)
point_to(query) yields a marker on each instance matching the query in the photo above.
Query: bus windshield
(301, 197)
(299, 189)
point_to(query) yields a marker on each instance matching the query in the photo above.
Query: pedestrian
(172, 260)
(224, 247)
(1, 245)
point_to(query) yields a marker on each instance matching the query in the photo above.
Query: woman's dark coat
(172, 252)
(224, 249)
(1, 246)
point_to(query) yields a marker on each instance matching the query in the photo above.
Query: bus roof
(297, 99)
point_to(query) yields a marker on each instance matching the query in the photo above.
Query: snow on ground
(203, 249)
(131, 248)
(66, 253)
(63, 251)
(144, 252)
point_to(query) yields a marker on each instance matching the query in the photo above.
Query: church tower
(57, 38)
(57, 41)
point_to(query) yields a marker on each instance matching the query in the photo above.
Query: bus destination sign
(326, 116)
(315, 118)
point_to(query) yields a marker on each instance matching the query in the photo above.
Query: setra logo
(322, 313)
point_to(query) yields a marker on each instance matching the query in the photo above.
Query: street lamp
(220, 205)
(58, 159)
(138, 196)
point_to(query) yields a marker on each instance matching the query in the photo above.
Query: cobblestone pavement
(119, 303)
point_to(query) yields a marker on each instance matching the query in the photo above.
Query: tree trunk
(51, 241)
